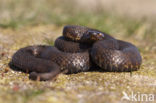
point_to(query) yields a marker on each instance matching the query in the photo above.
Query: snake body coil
(74, 52)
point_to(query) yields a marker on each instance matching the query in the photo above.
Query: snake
(77, 50)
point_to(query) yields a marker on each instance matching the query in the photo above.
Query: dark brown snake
(76, 51)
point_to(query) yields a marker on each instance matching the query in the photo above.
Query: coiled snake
(76, 51)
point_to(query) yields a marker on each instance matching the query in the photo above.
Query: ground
(86, 87)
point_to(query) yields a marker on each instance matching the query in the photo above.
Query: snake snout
(95, 35)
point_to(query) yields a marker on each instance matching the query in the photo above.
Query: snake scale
(76, 51)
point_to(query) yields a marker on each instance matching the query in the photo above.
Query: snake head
(95, 35)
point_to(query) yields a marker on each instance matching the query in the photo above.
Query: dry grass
(42, 23)
(87, 87)
(130, 8)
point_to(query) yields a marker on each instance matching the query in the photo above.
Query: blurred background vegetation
(115, 17)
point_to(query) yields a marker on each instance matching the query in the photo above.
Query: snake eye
(101, 34)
